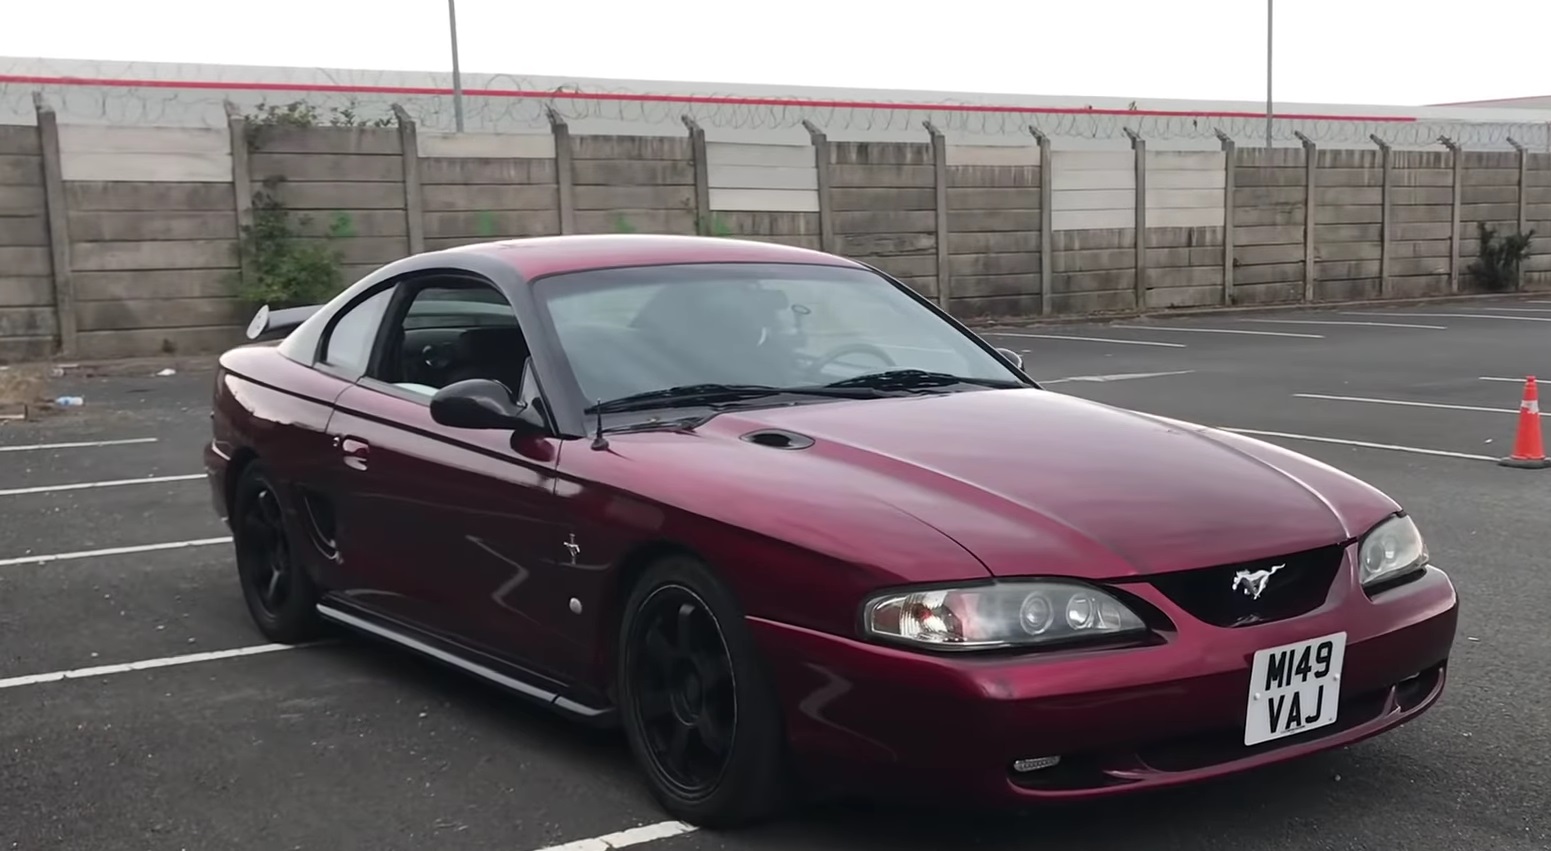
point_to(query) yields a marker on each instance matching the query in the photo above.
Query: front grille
(1298, 587)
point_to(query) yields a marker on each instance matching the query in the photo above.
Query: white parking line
(1519, 309)
(1119, 376)
(1220, 331)
(150, 480)
(1450, 315)
(86, 444)
(1492, 378)
(1352, 322)
(112, 551)
(1410, 404)
(1091, 339)
(626, 838)
(1415, 450)
(145, 665)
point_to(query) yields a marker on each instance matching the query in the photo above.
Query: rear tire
(699, 711)
(280, 595)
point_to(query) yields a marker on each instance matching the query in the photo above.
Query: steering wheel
(815, 369)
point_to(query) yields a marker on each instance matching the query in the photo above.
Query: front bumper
(899, 722)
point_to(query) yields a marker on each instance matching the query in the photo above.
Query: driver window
(452, 331)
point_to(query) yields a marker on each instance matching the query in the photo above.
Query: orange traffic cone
(1529, 451)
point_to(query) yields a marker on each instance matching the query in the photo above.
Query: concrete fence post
(821, 167)
(1523, 218)
(1139, 155)
(1046, 231)
(1523, 181)
(564, 176)
(242, 181)
(1458, 162)
(58, 225)
(1229, 151)
(414, 193)
(940, 181)
(702, 169)
(1310, 211)
(1386, 217)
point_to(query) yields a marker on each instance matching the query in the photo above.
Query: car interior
(451, 334)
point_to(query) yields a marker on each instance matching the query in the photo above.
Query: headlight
(1010, 614)
(1393, 548)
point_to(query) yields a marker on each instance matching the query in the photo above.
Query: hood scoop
(776, 438)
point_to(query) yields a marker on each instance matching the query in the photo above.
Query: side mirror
(1017, 359)
(477, 403)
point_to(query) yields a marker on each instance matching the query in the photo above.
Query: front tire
(699, 712)
(280, 596)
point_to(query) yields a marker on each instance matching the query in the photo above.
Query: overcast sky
(1327, 51)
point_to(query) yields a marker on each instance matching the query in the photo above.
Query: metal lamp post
(1269, 31)
(457, 75)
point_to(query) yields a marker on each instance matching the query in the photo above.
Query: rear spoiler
(273, 324)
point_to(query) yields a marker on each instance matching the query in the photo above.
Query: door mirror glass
(478, 403)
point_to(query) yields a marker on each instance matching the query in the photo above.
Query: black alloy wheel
(279, 594)
(268, 550)
(699, 712)
(685, 690)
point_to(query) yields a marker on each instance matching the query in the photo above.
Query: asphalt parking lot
(115, 575)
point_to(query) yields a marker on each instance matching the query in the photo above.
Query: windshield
(638, 330)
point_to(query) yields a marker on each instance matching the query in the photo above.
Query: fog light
(1024, 766)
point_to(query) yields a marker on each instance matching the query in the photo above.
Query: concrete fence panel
(1537, 216)
(763, 191)
(1422, 203)
(994, 229)
(152, 230)
(1348, 244)
(482, 186)
(1269, 217)
(1185, 238)
(28, 328)
(1093, 224)
(883, 195)
(627, 184)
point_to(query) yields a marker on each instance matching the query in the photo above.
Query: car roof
(534, 257)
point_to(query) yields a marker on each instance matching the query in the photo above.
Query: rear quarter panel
(271, 408)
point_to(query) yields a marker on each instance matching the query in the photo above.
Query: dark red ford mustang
(790, 525)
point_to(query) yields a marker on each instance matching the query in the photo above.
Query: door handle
(355, 451)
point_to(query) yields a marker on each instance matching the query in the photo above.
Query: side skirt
(494, 671)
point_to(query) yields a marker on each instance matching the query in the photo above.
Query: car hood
(1033, 481)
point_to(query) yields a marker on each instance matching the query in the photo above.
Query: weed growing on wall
(299, 113)
(712, 225)
(281, 265)
(1498, 261)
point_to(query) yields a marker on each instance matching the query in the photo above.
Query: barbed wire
(513, 104)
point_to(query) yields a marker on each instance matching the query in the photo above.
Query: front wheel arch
(627, 574)
(234, 469)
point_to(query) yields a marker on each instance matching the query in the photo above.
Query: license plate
(1294, 688)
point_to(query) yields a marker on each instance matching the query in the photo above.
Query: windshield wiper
(684, 395)
(908, 380)
(721, 395)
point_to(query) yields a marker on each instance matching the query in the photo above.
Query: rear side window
(349, 345)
